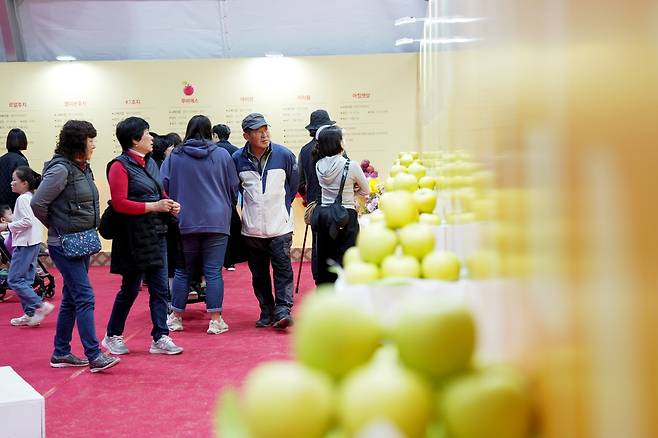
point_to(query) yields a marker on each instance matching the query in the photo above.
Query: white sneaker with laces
(41, 313)
(175, 323)
(21, 321)
(165, 345)
(115, 344)
(216, 327)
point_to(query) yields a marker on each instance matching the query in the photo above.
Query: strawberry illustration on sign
(188, 89)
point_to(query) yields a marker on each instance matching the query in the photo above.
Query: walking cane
(301, 260)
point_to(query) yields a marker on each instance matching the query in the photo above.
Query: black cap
(318, 118)
(253, 121)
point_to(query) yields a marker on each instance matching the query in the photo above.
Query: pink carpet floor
(145, 395)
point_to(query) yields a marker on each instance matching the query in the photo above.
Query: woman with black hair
(201, 176)
(67, 202)
(329, 170)
(16, 142)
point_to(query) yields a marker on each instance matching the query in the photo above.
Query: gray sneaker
(165, 345)
(103, 362)
(41, 313)
(115, 344)
(70, 360)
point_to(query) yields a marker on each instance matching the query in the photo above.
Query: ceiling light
(440, 20)
(274, 55)
(405, 41)
(66, 58)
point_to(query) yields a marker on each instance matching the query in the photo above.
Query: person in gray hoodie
(329, 170)
(201, 176)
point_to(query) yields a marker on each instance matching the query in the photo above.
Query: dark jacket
(67, 198)
(309, 187)
(136, 242)
(225, 144)
(8, 163)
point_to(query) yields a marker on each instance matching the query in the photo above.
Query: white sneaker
(175, 323)
(21, 321)
(41, 313)
(216, 327)
(165, 345)
(115, 344)
(193, 296)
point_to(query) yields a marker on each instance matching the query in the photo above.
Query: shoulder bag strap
(339, 198)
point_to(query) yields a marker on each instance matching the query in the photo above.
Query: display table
(22, 409)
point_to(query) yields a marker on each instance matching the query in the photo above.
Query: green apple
(400, 266)
(389, 184)
(334, 335)
(351, 255)
(358, 272)
(427, 182)
(416, 240)
(493, 403)
(425, 200)
(383, 392)
(375, 242)
(417, 170)
(405, 181)
(441, 265)
(435, 337)
(396, 168)
(414, 155)
(483, 264)
(399, 208)
(429, 219)
(406, 159)
(276, 400)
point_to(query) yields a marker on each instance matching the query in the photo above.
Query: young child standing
(26, 234)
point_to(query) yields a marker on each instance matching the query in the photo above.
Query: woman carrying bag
(340, 180)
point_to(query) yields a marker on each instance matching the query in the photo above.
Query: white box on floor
(22, 408)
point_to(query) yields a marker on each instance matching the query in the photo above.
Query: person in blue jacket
(269, 181)
(201, 176)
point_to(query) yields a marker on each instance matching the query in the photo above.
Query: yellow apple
(425, 200)
(389, 184)
(441, 265)
(417, 170)
(435, 337)
(333, 335)
(383, 392)
(276, 400)
(406, 159)
(400, 266)
(417, 240)
(351, 255)
(405, 181)
(429, 219)
(491, 403)
(396, 168)
(399, 209)
(359, 272)
(375, 242)
(427, 182)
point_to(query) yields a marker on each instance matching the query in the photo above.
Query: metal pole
(301, 260)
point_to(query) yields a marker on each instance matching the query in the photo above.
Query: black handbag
(333, 217)
(109, 223)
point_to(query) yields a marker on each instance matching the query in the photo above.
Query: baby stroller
(44, 282)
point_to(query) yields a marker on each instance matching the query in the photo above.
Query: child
(6, 217)
(26, 234)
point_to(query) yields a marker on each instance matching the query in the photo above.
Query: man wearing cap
(309, 187)
(269, 181)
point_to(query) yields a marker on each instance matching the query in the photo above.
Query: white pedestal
(22, 409)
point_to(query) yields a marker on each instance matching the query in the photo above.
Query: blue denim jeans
(205, 251)
(262, 253)
(21, 276)
(77, 305)
(158, 286)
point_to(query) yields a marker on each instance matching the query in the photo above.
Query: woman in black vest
(139, 245)
(67, 202)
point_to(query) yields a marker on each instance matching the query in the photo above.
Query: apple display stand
(22, 408)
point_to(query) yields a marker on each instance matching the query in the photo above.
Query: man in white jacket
(269, 179)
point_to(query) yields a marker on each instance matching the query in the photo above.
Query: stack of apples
(354, 377)
(368, 169)
(399, 242)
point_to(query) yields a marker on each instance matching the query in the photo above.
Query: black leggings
(330, 249)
